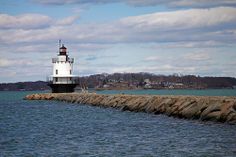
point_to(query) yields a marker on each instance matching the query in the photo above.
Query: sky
(188, 37)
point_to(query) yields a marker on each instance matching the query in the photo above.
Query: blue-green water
(50, 128)
(207, 92)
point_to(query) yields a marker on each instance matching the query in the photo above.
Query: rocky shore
(205, 108)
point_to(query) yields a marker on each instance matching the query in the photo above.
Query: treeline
(24, 86)
(93, 81)
(189, 80)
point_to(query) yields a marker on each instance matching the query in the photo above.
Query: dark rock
(222, 109)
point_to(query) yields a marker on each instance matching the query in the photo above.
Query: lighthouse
(62, 80)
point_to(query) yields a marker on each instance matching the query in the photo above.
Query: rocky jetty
(205, 108)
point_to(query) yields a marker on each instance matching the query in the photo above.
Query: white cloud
(199, 56)
(140, 3)
(67, 21)
(166, 69)
(25, 21)
(181, 20)
(189, 44)
(7, 75)
(201, 3)
(4, 62)
(184, 25)
(152, 58)
(33, 21)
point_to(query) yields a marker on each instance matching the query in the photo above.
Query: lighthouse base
(62, 88)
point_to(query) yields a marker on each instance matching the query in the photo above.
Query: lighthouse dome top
(63, 47)
(63, 50)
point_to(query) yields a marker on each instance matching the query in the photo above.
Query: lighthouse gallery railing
(71, 80)
(54, 60)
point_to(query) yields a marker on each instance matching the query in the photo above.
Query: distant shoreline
(133, 81)
(124, 89)
(103, 89)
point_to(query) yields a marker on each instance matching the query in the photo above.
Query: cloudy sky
(158, 36)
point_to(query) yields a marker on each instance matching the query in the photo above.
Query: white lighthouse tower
(63, 80)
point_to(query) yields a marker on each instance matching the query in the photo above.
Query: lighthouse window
(56, 79)
(70, 71)
(56, 71)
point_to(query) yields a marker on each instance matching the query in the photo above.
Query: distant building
(147, 86)
(147, 81)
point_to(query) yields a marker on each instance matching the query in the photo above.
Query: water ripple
(43, 128)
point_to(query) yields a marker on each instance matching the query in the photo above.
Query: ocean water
(50, 128)
(206, 92)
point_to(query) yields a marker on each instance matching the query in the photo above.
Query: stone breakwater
(205, 108)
